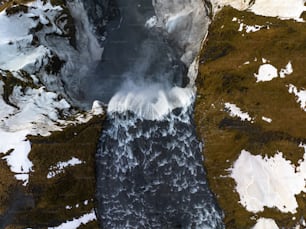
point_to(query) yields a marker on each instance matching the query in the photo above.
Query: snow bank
(235, 111)
(284, 9)
(271, 182)
(263, 223)
(151, 102)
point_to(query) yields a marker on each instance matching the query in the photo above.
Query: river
(150, 170)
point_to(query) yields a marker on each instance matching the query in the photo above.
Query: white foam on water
(151, 102)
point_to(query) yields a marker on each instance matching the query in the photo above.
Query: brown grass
(5, 4)
(224, 78)
(71, 187)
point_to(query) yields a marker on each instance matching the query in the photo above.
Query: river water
(150, 170)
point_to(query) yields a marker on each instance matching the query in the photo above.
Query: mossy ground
(224, 78)
(72, 187)
(6, 4)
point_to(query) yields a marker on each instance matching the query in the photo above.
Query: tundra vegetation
(230, 57)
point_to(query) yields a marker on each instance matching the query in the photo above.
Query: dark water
(149, 173)
(132, 52)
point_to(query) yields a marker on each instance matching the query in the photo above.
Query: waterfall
(151, 175)
(150, 170)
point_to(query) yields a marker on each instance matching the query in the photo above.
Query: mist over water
(150, 170)
(134, 56)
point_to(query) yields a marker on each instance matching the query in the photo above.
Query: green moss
(223, 77)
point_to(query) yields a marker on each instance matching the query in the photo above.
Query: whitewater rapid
(150, 170)
(151, 175)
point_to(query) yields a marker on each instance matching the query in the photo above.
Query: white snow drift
(284, 9)
(269, 181)
(36, 111)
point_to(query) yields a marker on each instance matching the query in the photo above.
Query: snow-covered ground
(269, 181)
(284, 9)
(30, 109)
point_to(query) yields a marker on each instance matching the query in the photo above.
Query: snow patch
(286, 71)
(284, 9)
(235, 111)
(59, 167)
(264, 223)
(76, 222)
(17, 159)
(267, 72)
(269, 120)
(300, 94)
(271, 182)
(248, 28)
